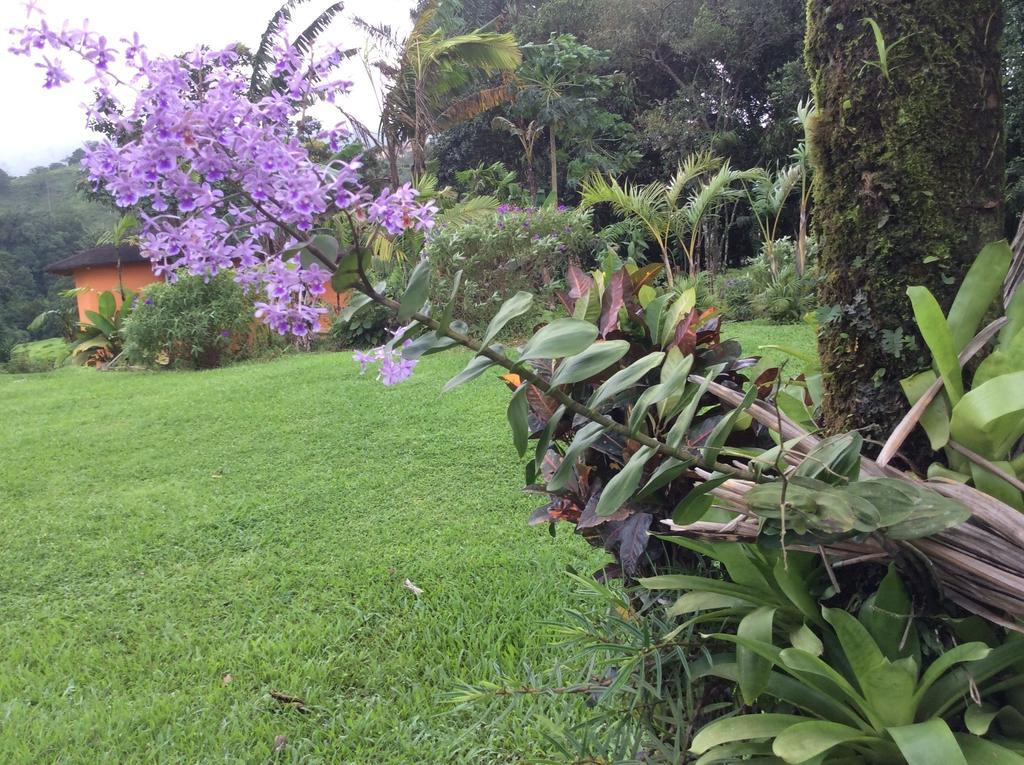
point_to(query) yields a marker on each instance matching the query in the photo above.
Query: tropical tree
(527, 133)
(895, 203)
(805, 112)
(673, 211)
(768, 196)
(433, 82)
(260, 82)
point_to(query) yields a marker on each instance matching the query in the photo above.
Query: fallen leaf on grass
(412, 588)
(279, 742)
(290, 701)
(227, 679)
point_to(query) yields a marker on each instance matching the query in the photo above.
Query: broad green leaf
(681, 426)
(990, 418)
(445, 319)
(754, 670)
(835, 460)
(702, 584)
(978, 718)
(562, 337)
(355, 304)
(476, 367)
(426, 344)
(889, 689)
(886, 615)
(673, 379)
(742, 728)
(928, 743)
(101, 323)
(716, 440)
(326, 245)
(1006, 359)
(860, 649)
(624, 485)
(979, 290)
(585, 437)
(978, 751)
(804, 663)
(653, 315)
(669, 469)
(740, 751)
(939, 339)
(704, 601)
(515, 306)
(794, 587)
(545, 437)
(803, 637)
(953, 686)
(698, 500)
(107, 304)
(416, 292)
(625, 378)
(597, 358)
(518, 419)
(935, 419)
(808, 739)
(946, 661)
(675, 312)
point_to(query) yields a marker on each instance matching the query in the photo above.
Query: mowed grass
(177, 547)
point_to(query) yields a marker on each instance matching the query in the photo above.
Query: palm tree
(768, 199)
(527, 134)
(805, 112)
(430, 79)
(665, 212)
(259, 82)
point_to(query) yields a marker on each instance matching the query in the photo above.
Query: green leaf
(697, 501)
(562, 337)
(803, 637)
(515, 306)
(518, 420)
(889, 689)
(945, 662)
(990, 418)
(445, 319)
(326, 245)
(939, 339)
(835, 460)
(806, 740)
(107, 304)
(625, 378)
(476, 367)
(754, 670)
(585, 437)
(716, 440)
(624, 485)
(742, 728)
(101, 324)
(935, 419)
(978, 718)
(704, 601)
(416, 292)
(928, 743)
(886, 615)
(952, 688)
(862, 653)
(980, 288)
(355, 304)
(675, 312)
(802, 662)
(653, 315)
(979, 751)
(544, 441)
(594, 359)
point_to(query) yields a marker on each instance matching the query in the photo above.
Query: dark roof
(107, 255)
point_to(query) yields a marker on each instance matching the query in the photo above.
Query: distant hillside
(43, 218)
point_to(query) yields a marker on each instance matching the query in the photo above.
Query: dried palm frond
(978, 564)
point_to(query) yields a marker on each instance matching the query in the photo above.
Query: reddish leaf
(579, 282)
(685, 338)
(630, 538)
(616, 292)
(541, 406)
(567, 302)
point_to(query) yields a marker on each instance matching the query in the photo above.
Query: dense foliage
(192, 321)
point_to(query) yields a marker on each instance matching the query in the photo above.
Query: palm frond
(470, 106)
(690, 169)
(261, 58)
(472, 209)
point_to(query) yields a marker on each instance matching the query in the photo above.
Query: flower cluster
(392, 368)
(216, 168)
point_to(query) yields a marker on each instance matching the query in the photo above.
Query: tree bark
(553, 154)
(908, 185)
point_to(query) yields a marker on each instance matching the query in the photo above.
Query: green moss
(909, 178)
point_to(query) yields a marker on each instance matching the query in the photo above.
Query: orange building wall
(99, 279)
(135, 276)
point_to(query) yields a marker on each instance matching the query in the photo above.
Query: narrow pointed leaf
(560, 338)
(624, 485)
(416, 292)
(597, 358)
(515, 306)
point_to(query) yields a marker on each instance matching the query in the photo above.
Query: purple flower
(364, 359)
(395, 369)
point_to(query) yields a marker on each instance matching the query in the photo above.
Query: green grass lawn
(178, 546)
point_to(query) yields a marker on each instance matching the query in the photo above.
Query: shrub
(516, 249)
(782, 297)
(191, 322)
(369, 327)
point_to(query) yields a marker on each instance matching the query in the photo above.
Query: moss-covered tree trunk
(909, 157)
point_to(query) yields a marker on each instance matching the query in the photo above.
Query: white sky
(43, 126)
